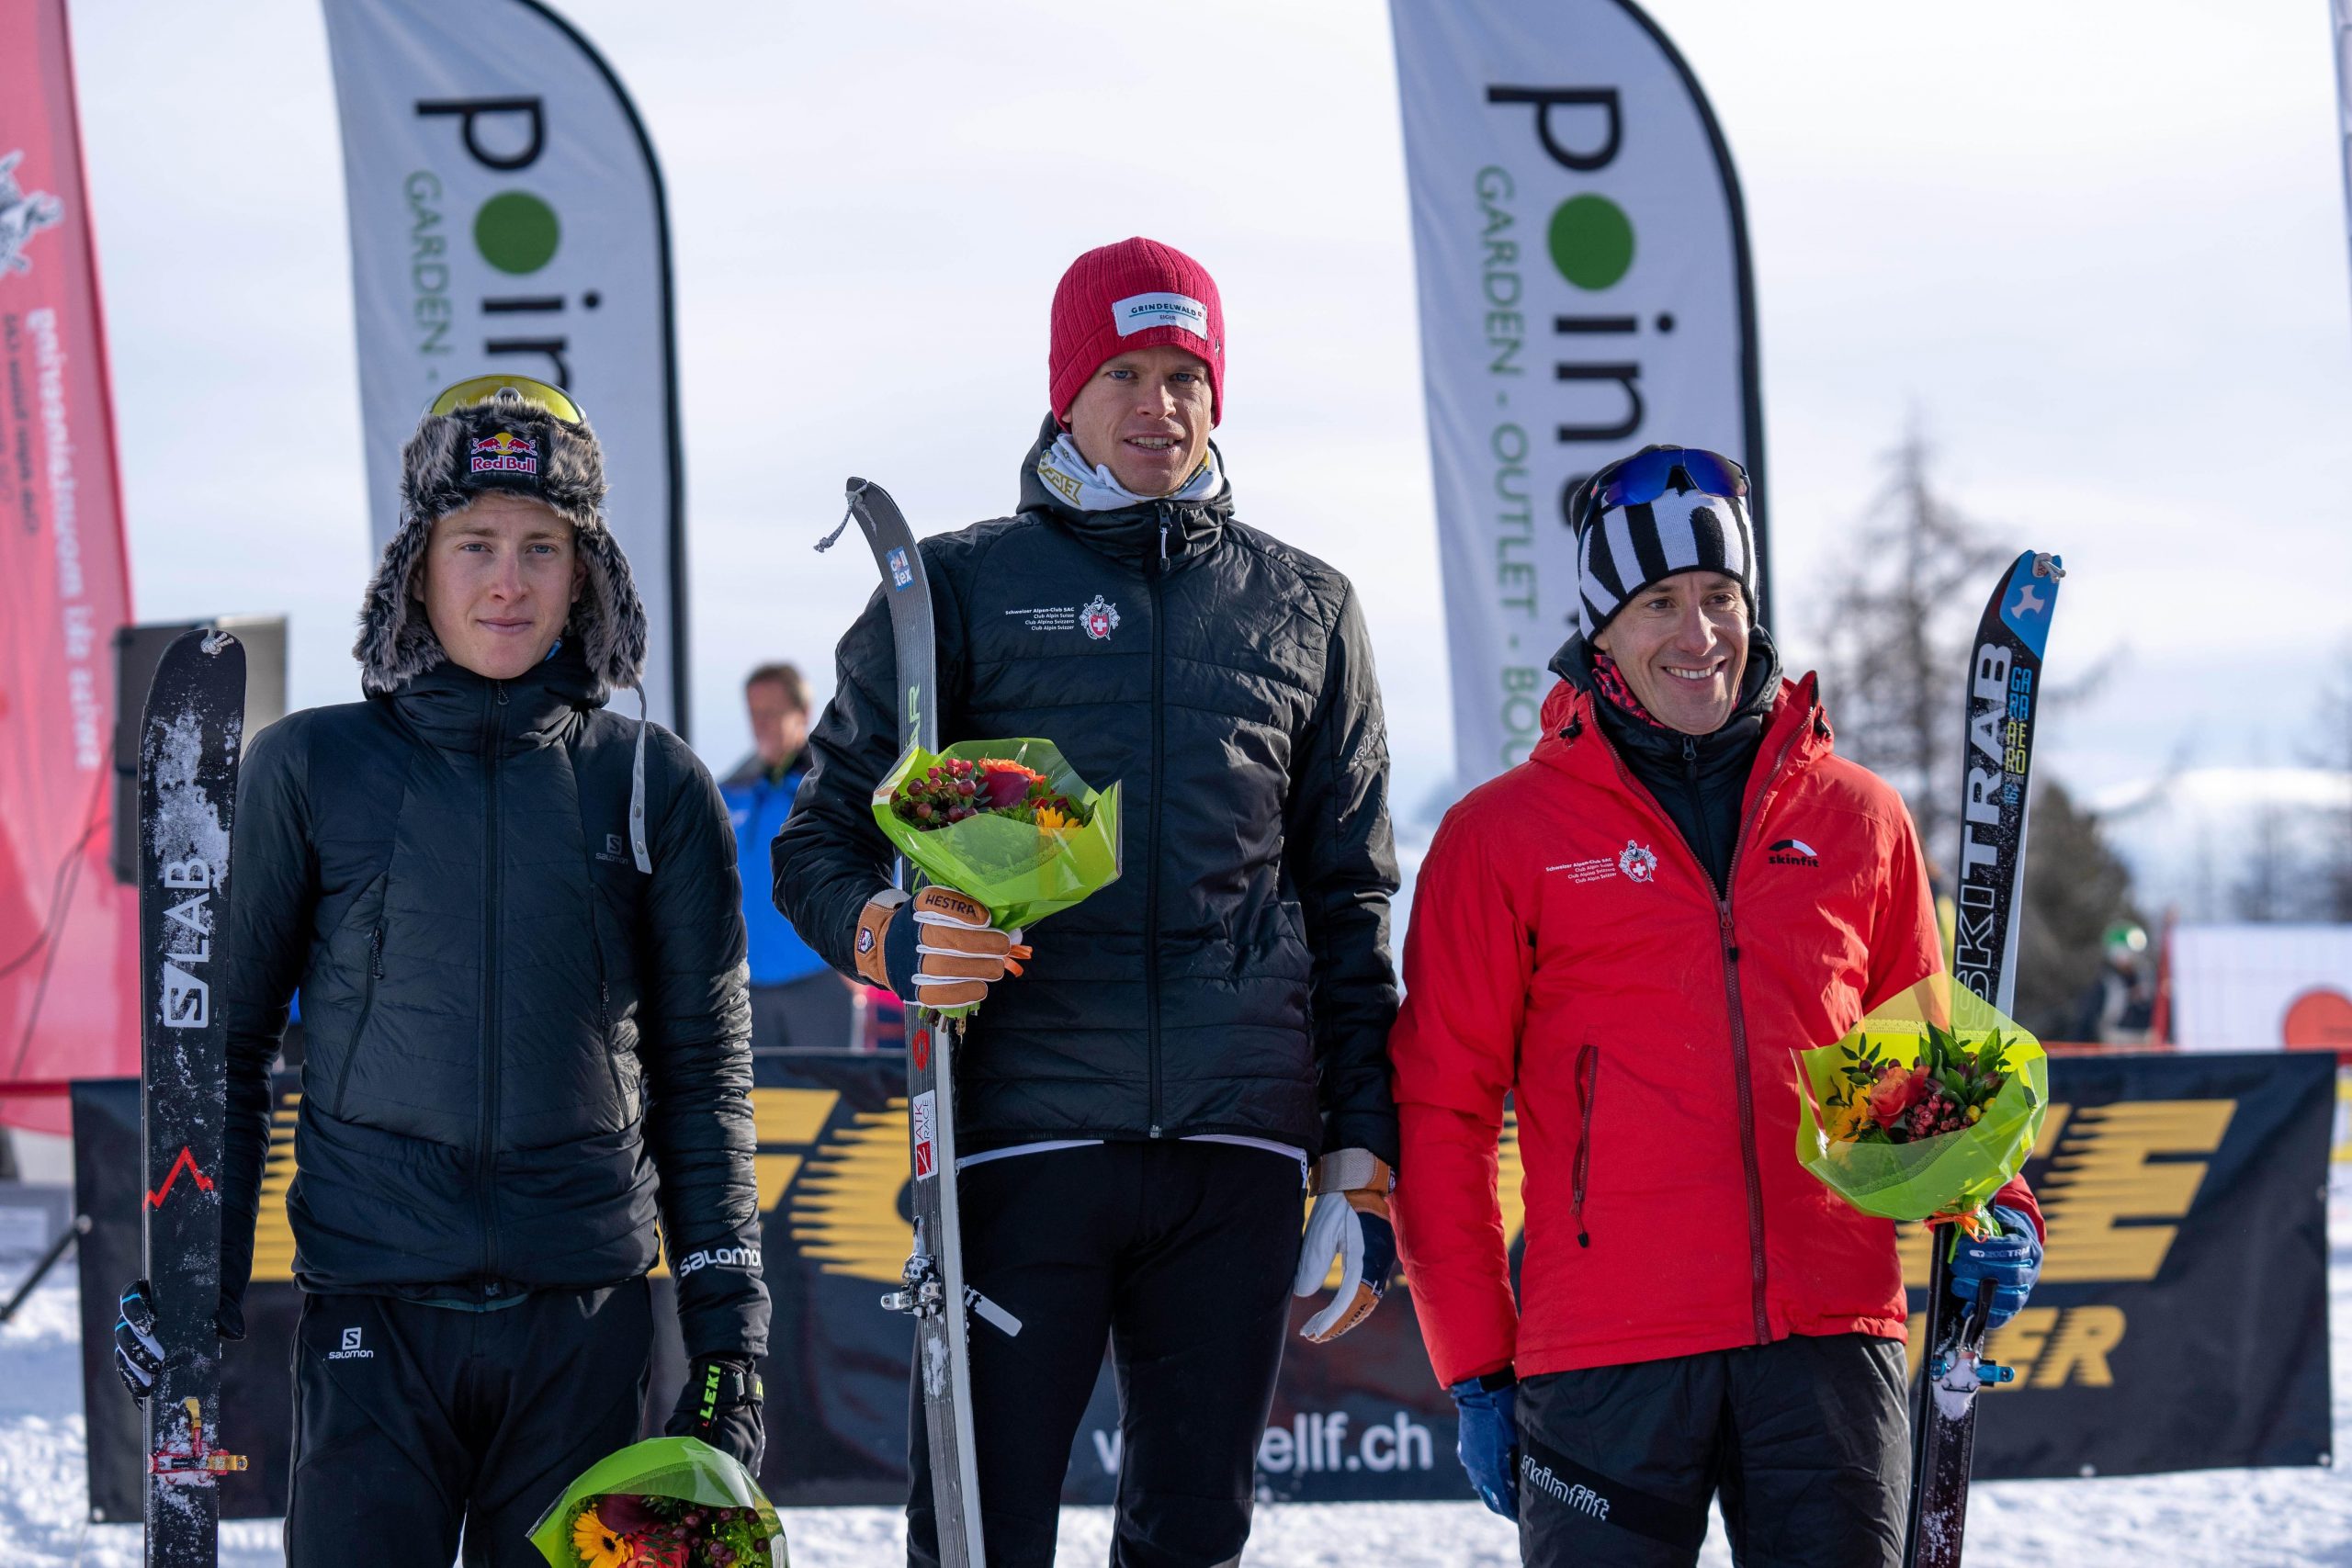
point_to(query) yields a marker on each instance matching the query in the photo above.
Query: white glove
(1350, 1224)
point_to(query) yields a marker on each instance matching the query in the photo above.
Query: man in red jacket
(1631, 934)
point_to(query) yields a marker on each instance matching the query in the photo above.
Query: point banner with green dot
(507, 215)
(1585, 292)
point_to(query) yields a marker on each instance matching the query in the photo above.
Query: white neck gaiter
(1091, 486)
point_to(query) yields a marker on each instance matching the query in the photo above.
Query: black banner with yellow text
(2180, 1324)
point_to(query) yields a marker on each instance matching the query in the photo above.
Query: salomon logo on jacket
(719, 1258)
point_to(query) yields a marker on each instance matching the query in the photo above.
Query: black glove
(138, 1356)
(721, 1405)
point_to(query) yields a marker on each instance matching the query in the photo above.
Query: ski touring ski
(935, 1291)
(190, 738)
(2004, 693)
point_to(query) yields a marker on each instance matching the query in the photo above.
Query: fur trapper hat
(507, 445)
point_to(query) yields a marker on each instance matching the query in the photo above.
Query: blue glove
(1487, 1441)
(2012, 1260)
(138, 1356)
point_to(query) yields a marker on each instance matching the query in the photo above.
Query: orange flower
(1896, 1091)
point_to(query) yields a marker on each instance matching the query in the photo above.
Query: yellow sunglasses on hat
(485, 388)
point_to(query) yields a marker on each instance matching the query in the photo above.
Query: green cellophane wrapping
(685, 1468)
(1021, 873)
(1953, 1173)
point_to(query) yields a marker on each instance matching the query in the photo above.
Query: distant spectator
(2118, 1007)
(796, 999)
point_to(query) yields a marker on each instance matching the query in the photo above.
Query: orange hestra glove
(937, 949)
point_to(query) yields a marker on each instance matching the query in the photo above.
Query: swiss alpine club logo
(922, 1120)
(1100, 617)
(23, 214)
(506, 453)
(1638, 861)
(1793, 851)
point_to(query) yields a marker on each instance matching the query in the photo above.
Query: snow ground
(2243, 1519)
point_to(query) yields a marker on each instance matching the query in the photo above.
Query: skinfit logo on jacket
(1793, 851)
(719, 1258)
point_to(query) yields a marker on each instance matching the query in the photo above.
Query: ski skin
(934, 1276)
(2003, 696)
(190, 737)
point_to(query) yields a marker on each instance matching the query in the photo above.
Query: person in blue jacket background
(796, 999)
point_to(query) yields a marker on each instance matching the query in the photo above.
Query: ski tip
(2030, 596)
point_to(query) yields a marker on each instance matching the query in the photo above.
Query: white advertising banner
(1583, 292)
(2340, 12)
(2254, 987)
(507, 215)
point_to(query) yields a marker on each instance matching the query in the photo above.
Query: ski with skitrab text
(190, 738)
(2002, 697)
(933, 1290)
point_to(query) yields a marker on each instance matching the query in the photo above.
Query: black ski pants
(1806, 1442)
(411, 1421)
(1180, 1254)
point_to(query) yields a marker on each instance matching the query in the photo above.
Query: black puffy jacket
(516, 1042)
(1236, 979)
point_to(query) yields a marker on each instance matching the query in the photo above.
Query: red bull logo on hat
(505, 453)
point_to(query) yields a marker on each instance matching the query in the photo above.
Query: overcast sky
(2096, 249)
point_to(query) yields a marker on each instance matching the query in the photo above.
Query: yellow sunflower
(1848, 1120)
(596, 1546)
(1051, 821)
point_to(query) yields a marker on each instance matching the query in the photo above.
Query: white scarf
(1091, 487)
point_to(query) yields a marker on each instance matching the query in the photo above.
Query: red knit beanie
(1130, 296)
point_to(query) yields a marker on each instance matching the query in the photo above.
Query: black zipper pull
(1691, 757)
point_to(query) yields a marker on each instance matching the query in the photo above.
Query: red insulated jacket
(1568, 950)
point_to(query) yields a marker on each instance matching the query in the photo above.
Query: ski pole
(79, 1228)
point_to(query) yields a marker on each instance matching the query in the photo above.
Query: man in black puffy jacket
(1137, 1111)
(514, 921)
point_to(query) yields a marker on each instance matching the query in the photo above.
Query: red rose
(1007, 783)
(1897, 1090)
(624, 1513)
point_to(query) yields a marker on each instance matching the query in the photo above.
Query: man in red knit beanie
(1139, 1109)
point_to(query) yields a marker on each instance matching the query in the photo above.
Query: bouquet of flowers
(1007, 822)
(1925, 1109)
(667, 1503)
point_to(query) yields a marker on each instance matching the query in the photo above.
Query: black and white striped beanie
(1624, 549)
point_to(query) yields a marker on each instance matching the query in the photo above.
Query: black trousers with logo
(411, 1422)
(1805, 1442)
(1181, 1256)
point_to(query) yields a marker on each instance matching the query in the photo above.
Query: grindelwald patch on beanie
(1139, 312)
